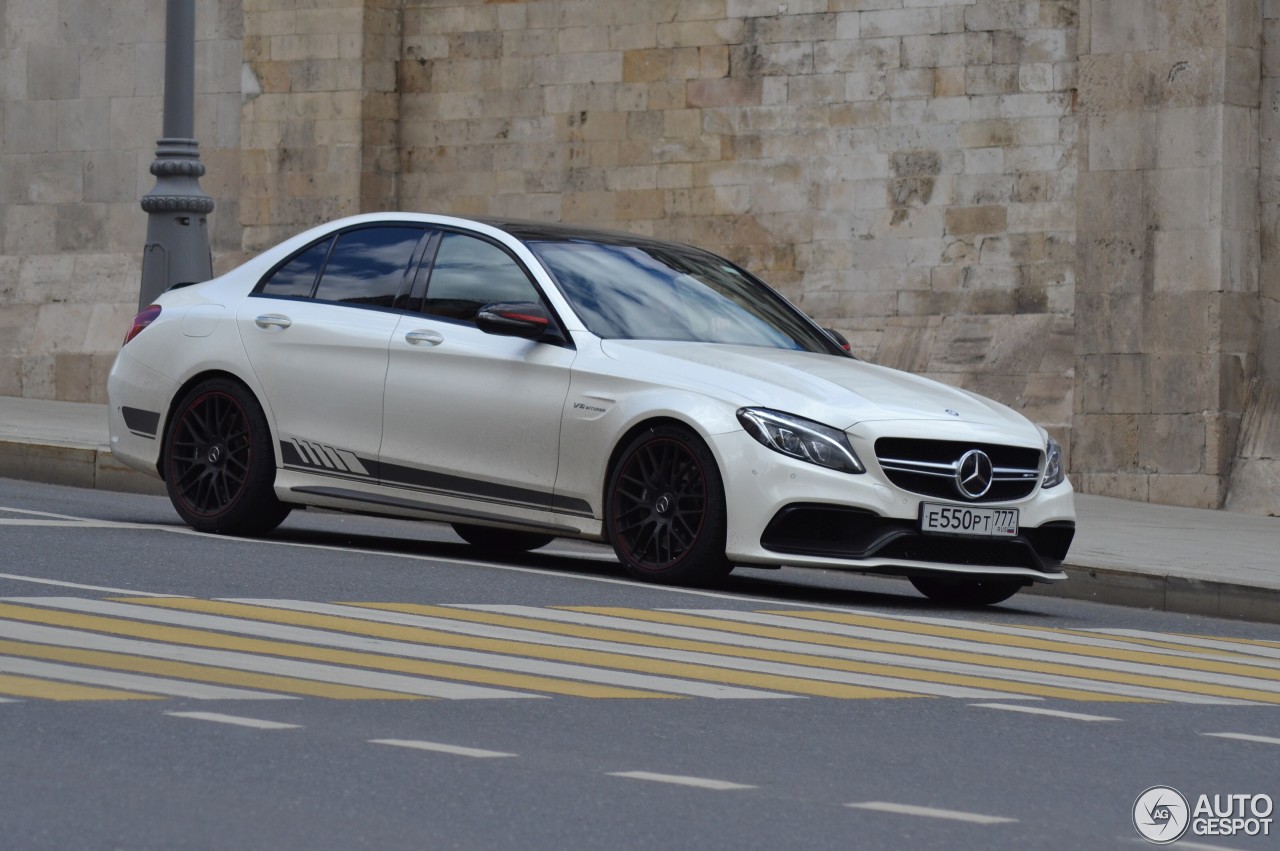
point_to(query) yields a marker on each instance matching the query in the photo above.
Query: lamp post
(177, 249)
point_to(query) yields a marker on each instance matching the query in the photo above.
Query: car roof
(530, 231)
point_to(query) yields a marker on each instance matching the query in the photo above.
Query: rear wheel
(665, 509)
(218, 465)
(966, 592)
(501, 540)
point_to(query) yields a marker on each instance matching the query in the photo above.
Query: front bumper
(787, 512)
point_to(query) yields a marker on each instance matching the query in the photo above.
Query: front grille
(838, 532)
(928, 467)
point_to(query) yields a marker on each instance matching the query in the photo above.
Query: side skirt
(431, 510)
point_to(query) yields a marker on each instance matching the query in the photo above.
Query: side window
(469, 273)
(298, 276)
(367, 266)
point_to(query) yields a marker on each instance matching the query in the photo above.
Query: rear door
(316, 331)
(472, 415)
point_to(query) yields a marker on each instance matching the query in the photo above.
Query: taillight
(142, 320)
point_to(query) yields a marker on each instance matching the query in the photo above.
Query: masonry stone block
(53, 72)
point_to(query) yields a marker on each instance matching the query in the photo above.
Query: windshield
(652, 291)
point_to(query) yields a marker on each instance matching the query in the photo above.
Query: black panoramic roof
(527, 231)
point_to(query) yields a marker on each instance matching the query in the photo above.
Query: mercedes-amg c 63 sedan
(527, 381)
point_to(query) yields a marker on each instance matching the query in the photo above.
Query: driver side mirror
(525, 319)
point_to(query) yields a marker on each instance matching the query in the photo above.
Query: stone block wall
(80, 110)
(318, 134)
(1067, 205)
(1169, 250)
(1255, 477)
(904, 172)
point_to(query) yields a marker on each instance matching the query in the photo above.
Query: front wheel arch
(664, 511)
(625, 440)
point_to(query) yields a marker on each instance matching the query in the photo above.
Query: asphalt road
(365, 683)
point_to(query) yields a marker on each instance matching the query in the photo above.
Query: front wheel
(665, 509)
(966, 592)
(218, 465)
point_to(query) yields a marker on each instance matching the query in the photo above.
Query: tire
(501, 540)
(219, 467)
(966, 592)
(665, 511)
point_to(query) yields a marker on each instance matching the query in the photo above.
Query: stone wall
(80, 94)
(1051, 202)
(1255, 477)
(1167, 224)
(906, 174)
(320, 124)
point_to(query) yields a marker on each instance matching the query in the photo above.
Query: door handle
(268, 321)
(431, 338)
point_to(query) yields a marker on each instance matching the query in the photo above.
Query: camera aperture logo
(1163, 815)
(1160, 815)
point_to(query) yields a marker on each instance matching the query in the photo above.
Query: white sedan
(528, 381)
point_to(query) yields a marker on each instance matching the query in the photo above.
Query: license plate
(963, 520)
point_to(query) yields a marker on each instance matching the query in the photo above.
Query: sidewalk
(1125, 553)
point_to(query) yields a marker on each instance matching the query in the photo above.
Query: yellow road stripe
(17, 686)
(221, 641)
(1256, 642)
(782, 656)
(993, 661)
(200, 673)
(1045, 645)
(1133, 639)
(592, 658)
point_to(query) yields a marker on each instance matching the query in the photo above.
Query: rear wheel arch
(181, 394)
(219, 461)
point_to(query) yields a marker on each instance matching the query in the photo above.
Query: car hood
(841, 392)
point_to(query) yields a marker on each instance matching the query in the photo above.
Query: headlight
(800, 438)
(1054, 475)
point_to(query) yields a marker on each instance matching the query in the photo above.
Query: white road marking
(1243, 648)
(218, 718)
(707, 657)
(1184, 843)
(679, 780)
(130, 682)
(475, 753)
(1245, 737)
(319, 671)
(906, 660)
(368, 644)
(1021, 653)
(930, 812)
(42, 581)
(1036, 710)
(1098, 638)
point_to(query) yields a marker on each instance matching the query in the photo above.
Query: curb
(1164, 592)
(76, 466)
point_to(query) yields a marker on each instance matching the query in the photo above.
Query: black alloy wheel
(501, 540)
(665, 510)
(966, 593)
(218, 465)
